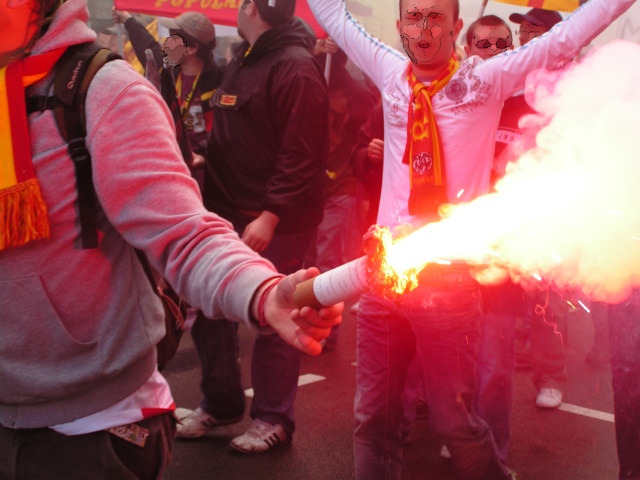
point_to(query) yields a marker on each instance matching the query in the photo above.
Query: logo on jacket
(456, 90)
(228, 100)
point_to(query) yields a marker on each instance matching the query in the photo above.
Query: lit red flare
(371, 273)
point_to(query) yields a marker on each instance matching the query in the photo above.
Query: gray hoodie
(78, 328)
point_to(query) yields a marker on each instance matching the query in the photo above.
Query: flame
(568, 210)
(381, 276)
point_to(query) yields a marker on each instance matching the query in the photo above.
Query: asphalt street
(575, 442)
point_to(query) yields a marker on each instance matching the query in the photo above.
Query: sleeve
(561, 44)
(141, 40)
(300, 106)
(147, 194)
(369, 54)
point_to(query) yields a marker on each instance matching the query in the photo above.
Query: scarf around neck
(23, 213)
(423, 153)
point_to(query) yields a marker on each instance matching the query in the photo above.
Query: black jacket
(269, 144)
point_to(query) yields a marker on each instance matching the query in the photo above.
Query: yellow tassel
(23, 215)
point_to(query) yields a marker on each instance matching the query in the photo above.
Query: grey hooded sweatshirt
(78, 328)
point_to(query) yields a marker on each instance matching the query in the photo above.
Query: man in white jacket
(440, 120)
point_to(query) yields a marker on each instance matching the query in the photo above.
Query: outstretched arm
(372, 56)
(561, 44)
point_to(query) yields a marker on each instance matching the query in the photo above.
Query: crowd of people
(257, 171)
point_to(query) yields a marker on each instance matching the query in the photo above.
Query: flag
(559, 5)
(220, 12)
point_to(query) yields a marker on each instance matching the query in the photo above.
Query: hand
(197, 161)
(327, 45)
(375, 150)
(120, 16)
(331, 46)
(301, 328)
(258, 234)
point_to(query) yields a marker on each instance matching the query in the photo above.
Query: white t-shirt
(151, 399)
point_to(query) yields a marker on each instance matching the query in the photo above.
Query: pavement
(575, 442)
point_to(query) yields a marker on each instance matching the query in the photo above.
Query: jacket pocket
(41, 360)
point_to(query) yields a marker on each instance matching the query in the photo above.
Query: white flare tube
(335, 286)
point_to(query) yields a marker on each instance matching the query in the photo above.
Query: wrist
(258, 304)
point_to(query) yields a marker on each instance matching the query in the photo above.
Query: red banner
(221, 12)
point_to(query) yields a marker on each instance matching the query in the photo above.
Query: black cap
(538, 16)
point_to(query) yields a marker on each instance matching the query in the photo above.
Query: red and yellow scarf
(424, 149)
(23, 213)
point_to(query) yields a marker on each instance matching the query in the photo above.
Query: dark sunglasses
(501, 43)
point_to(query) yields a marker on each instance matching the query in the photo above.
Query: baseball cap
(195, 24)
(538, 16)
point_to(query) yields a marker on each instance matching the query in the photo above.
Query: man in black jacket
(264, 173)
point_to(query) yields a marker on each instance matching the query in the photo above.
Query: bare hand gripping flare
(371, 272)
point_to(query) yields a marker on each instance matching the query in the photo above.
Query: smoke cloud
(567, 211)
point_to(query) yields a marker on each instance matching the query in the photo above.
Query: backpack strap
(75, 71)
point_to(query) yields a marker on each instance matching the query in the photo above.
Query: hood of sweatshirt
(69, 27)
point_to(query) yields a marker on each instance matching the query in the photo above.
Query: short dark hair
(486, 21)
(456, 9)
(280, 14)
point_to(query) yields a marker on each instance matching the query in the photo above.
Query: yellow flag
(559, 5)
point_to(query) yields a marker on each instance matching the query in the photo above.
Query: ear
(398, 27)
(457, 28)
(251, 9)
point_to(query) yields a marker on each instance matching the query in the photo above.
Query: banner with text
(221, 12)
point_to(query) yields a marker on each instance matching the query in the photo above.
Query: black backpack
(74, 73)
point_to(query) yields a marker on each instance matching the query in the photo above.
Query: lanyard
(184, 108)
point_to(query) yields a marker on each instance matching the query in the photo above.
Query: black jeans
(43, 454)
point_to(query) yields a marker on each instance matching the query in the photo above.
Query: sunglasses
(501, 43)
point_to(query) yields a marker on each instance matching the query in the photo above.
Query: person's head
(428, 30)
(198, 33)
(22, 22)
(257, 16)
(488, 36)
(534, 23)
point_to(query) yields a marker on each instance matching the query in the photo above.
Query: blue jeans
(438, 322)
(624, 328)
(496, 359)
(275, 365)
(496, 364)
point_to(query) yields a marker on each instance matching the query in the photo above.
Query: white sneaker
(261, 437)
(549, 398)
(445, 453)
(195, 423)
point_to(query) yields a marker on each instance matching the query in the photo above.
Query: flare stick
(334, 286)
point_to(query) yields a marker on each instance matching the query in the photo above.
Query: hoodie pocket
(41, 360)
